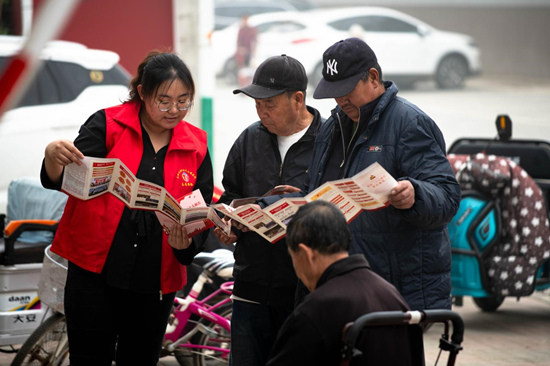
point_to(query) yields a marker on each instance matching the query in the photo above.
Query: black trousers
(106, 323)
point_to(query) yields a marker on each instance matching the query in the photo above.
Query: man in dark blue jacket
(407, 243)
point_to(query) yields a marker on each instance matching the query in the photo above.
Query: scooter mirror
(504, 127)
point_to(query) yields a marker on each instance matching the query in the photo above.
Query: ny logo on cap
(331, 67)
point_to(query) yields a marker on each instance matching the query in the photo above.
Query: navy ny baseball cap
(274, 76)
(344, 63)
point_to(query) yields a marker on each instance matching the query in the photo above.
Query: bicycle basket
(52, 280)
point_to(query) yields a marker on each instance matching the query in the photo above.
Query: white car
(73, 83)
(227, 12)
(408, 49)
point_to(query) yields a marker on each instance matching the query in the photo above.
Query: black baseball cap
(344, 63)
(274, 76)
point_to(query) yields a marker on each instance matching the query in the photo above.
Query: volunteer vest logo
(187, 178)
(331, 67)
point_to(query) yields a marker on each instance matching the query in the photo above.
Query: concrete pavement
(517, 334)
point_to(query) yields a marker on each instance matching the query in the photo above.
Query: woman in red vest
(124, 270)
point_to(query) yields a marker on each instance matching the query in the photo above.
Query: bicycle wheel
(206, 357)
(47, 345)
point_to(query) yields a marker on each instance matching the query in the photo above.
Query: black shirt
(134, 259)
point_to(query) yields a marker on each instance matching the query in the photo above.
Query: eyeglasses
(165, 106)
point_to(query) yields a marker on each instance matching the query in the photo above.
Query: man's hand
(242, 227)
(223, 237)
(282, 189)
(402, 196)
(178, 238)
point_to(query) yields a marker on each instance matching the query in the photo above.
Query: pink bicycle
(198, 331)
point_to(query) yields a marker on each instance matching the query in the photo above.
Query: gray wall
(514, 40)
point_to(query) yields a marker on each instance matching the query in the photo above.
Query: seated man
(343, 287)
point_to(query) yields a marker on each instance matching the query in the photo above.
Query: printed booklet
(97, 176)
(367, 190)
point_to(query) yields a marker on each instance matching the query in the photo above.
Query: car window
(239, 11)
(280, 27)
(42, 90)
(73, 78)
(374, 24)
(62, 82)
(302, 4)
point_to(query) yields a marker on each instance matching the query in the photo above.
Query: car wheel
(451, 72)
(316, 75)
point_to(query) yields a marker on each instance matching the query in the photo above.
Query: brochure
(367, 190)
(97, 176)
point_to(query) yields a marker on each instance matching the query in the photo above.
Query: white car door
(399, 46)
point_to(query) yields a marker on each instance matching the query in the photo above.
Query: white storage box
(12, 301)
(15, 326)
(20, 277)
(18, 284)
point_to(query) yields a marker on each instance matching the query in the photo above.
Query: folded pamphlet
(97, 176)
(366, 191)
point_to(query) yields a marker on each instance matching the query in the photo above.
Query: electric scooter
(500, 238)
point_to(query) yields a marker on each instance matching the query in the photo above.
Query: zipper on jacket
(345, 149)
(160, 291)
(343, 141)
(352, 136)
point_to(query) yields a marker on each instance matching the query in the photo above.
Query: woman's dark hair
(155, 69)
(320, 226)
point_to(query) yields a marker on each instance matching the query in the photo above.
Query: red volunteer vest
(87, 228)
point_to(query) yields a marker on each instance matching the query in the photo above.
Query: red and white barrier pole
(19, 72)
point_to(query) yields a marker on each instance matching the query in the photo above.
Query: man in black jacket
(342, 288)
(271, 152)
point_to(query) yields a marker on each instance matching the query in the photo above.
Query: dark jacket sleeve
(423, 160)
(233, 173)
(233, 176)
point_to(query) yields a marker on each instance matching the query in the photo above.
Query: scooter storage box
(471, 231)
(20, 277)
(18, 284)
(15, 326)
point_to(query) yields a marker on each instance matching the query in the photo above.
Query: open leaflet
(367, 190)
(97, 176)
